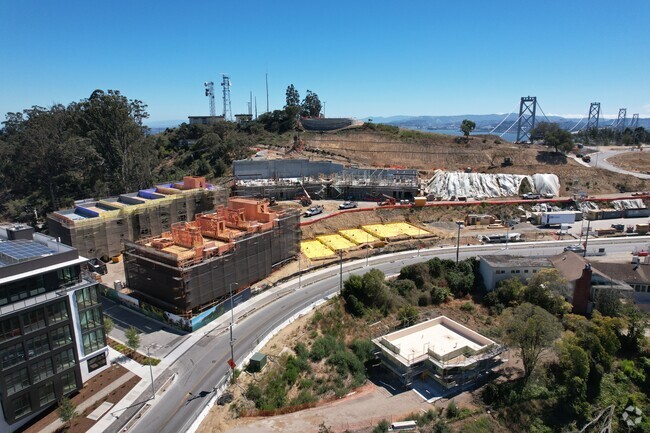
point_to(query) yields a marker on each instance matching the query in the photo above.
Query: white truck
(557, 218)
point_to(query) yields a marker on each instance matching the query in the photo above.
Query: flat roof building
(98, 228)
(496, 268)
(51, 329)
(451, 353)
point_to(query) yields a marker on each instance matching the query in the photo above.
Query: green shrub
(363, 348)
(452, 410)
(322, 347)
(479, 425)
(468, 307)
(439, 295)
(303, 397)
(382, 427)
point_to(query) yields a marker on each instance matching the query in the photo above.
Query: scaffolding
(98, 228)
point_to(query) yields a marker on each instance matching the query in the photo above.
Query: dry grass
(634, 161)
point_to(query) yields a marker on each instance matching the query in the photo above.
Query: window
(69, 275)
(64, 360)
(90, 319)
(38, 345)
(87, 297)
(12, 355)
(9, 328)
(534, 271)
(93, 340)
(96, 362)
(42, 370)
(61, 336)
(512, 271)
(16, 381)
(46, 394)
(33, 321)
(57, 313)
(525, 271)
(22, 406)
(69, 382)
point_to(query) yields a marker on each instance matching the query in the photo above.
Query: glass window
(69, 381)
(61, 336)
(93, 340)
(64, 360)
(16, 381)
(87, 297)
(38, 345)
(68, 275)
(33, 321)
(12, 355)
(46, 394)
(90, 319)
(22, 405)
(9, 328)
(57, 313)
(97, 362)
(42, 370)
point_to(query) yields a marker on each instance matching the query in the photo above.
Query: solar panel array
(21, 250)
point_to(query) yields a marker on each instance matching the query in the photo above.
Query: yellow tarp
(383, 231)
(408, 229)
(336, 242)
(315, 249)
(358, 236)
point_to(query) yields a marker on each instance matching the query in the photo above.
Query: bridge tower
(594, 115)
(635, 121)
(227, 108)
(209, 92)
(620, 123)
(527, 110)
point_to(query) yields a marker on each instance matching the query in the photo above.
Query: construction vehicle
(304, 199)
(387, 201)
(507, 161)
(586, 158)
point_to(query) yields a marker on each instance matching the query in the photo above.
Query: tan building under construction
(98, 228)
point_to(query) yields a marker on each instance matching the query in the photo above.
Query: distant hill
(484, 122)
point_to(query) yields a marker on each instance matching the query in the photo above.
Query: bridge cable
(513, 124)
(504, 119)
(574, 126)
(540, 109)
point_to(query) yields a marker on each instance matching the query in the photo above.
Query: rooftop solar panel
(22, 250)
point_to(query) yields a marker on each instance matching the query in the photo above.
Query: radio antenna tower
(594, 115)
(209, 92)
(227, 108)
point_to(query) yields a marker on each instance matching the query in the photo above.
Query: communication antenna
(209, 92)
(267, 92)
(256, 107)
(250, 105)
(227, 107)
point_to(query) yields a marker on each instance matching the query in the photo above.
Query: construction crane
(209, 92)
(304, 199)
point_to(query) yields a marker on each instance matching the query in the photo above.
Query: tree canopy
(467, 126)
(311, 105)
(553, 136)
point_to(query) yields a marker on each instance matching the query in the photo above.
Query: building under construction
(287, 179)
(192, 267)
(98, 228)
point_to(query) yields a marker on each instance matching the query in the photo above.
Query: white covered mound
(446, 184)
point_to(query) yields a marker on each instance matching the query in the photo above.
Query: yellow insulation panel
(358, 236)
(383, 231)
(408, 229)
(336, 242)
(315, 250)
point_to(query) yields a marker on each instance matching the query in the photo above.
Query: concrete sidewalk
(92, 400)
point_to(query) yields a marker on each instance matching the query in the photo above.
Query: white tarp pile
(446, 184)
(636, 203)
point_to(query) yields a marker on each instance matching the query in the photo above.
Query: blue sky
(370, 58)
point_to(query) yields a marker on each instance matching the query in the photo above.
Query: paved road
(599, 159)
(204, 365)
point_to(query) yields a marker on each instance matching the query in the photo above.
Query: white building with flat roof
(442, 348)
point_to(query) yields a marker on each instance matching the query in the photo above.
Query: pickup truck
(313, 211)
(531, 196)
(348, 205)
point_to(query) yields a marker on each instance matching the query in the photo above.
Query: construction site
(195, 265)
(98, 228)
(288, 179)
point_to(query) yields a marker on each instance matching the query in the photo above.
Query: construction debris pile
(446, 184)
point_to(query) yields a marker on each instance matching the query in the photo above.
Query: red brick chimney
(582, 292)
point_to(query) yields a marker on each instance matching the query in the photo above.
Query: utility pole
(341, 270)
(232, 322)
(584, 254)
(267, 92)
(460, 225)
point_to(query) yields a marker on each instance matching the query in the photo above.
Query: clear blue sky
(364, 58)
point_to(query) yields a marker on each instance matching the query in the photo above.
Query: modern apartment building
(51, 331)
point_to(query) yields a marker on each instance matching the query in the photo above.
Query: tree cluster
(309, 107)
(553, 136)
(610, 136)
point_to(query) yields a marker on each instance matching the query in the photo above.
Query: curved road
(599, 159)
(204, 365)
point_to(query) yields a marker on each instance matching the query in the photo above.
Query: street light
(367, 247)
(153, 389)
(584, 254)
(340, 252)
(232, 321)
(460, 226)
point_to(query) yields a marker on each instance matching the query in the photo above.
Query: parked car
(575, 248)
(531, 196)
(549, 195)
(348, 205)
(313, 211)
(586, 158)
